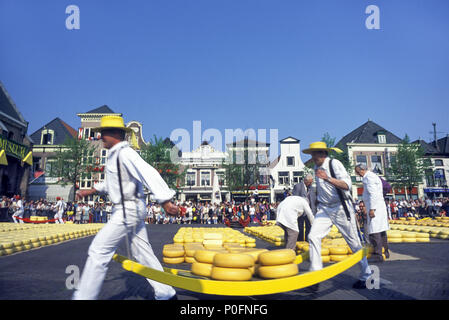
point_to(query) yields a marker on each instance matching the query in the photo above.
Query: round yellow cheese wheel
(231, 274)
(277, 271)
(277, 257)
(173, 252)
(189, 259)
(326, 259)
(173, 260)
(325, 251)
(201, 269)
(338, 257)
(395, 240)
(338, 250)
(233, 260)
(408, 239)
(205, 256)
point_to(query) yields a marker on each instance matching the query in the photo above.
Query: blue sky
(302, 67)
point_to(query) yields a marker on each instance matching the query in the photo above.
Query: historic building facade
(287, 169)
(15, 148)
(202, 167)
(48, 140)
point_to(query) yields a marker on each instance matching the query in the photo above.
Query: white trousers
(321, 226)
(19, 214)
(58, 218)
(105, 244)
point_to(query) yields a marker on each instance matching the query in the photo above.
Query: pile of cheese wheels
(271, 234)
(407, 237)
(275, 234)
(433, 228)
(242, 266)
(16, 238)
(335, 250)
(197, 235)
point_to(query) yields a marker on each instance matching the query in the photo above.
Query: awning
(29, 158)
(3, 160)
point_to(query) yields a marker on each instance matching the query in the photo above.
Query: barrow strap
(340, 193)
(123, 202)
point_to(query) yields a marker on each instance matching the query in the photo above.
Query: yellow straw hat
(112, 122)
(320, 146)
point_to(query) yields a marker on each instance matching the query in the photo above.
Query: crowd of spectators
(192, 212)
(196, 212)
(418, 208)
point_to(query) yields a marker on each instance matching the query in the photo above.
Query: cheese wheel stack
(277, 264)
(173, 254)
(232, 267)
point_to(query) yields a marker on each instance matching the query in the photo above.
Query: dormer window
(47, 137)
(381, 138)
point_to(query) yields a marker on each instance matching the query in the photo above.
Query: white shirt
(326, 192)
(136, 173)
(290, 209)
(60, 206)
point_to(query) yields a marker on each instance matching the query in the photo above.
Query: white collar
(118, 146)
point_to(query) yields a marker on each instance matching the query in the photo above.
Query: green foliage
(242, 171)
(342, 157)
(72, 160)
(157, 154)
(408, 167)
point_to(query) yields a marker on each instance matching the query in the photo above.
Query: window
(439, 163)
(47, 136)
(191, 179)
(86, 133)
(221, 178)
(440, 178)
(290, 161)
(381, 138)
(376, 164)
(50, 168)
(104, 156)
(205, 178)
(361, 160)
(86, 181)
(297, 175)
(263, 159)
(430, 179)
(283, 178)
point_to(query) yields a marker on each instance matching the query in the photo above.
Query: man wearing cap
(59, 206)
(126, 175)
(331, 210)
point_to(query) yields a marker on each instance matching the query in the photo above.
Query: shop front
(15, 162)
(437, 192)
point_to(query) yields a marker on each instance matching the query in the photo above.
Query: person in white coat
(287, 215)
(376, 212)
(60, 206)
(19, 210)
(126, 175)
(331, 211)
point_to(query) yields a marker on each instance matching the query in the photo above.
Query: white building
(201, 167)
(288, 169)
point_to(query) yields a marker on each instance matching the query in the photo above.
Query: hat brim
(310, 150)
(99, 129)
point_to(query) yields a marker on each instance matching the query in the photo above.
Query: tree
(157, 154)
(408, 167)
(72, 160)
(242, 171)
(342, 157)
